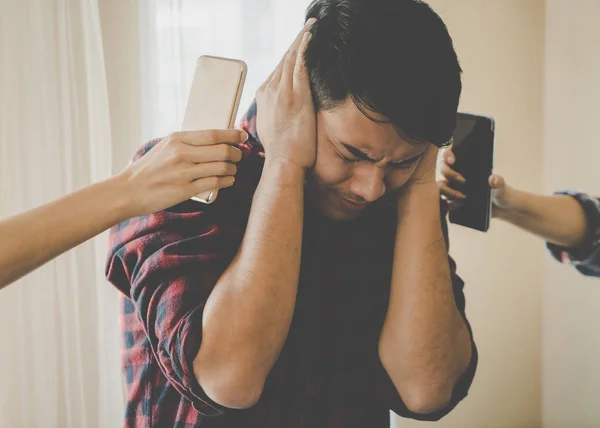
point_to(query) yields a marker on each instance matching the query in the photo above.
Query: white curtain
(174, 33)
(59, 358)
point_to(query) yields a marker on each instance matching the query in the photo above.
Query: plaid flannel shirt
(586, 258)
(328, 373)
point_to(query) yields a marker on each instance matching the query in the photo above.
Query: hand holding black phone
(473, 149)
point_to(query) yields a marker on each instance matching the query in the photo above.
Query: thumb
(497, 182)
(499, 190)
(449, 156)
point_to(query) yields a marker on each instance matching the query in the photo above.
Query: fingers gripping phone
(214, 100)
(473, 149)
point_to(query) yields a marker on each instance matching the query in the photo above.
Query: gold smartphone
(214, 100)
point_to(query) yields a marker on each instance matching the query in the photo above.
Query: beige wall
(571, 318)
(500, 45)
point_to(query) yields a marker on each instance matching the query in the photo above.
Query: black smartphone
(473, 149)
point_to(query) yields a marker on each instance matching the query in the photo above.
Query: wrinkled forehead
(346, 124)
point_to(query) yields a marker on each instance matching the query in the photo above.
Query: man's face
(358, 162)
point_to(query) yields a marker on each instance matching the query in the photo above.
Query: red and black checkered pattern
(328, 374)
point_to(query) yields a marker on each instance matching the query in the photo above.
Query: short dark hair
(392, 57)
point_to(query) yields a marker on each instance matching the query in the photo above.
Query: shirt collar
(248, 124)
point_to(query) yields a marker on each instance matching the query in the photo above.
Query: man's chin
(338, 214)
(329, 205)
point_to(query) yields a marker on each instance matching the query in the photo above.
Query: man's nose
(368, 182)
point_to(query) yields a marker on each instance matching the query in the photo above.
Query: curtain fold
(59, 359)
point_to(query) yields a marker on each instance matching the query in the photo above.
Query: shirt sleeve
(167, 263)
(585, 258)
(463, 385)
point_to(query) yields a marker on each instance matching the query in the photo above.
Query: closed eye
(359, 156)
(403, 165)
(408, 163)
(347, 160)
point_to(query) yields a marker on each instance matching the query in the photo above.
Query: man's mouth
(356, 206)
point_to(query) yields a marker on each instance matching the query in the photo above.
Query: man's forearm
(425, 345)
(559, 219)
(34, 237)
(248, 314)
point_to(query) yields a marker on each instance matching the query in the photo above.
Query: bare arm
(558, 219)
(171, 172)
(425, 346)
(247, 316)
(31, 239)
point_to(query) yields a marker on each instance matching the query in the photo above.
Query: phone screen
(473, 149)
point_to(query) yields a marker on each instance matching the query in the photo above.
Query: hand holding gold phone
(214, 100)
